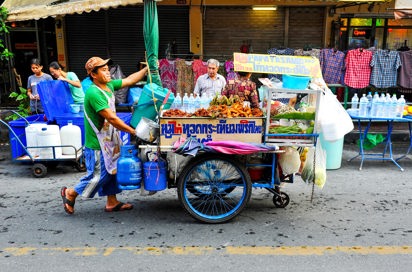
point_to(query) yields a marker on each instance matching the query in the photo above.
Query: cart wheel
(39, 170)
(214, 188)
(80, 166)
(281, 200)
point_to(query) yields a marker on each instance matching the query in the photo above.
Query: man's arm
(113, 119)
(134, 78)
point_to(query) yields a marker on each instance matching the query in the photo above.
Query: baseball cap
(94, 62)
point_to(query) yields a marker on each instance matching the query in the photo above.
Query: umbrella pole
(151, 85)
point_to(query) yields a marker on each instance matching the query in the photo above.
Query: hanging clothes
(280, 51)
(199, 68)
(230, 73)
(332, 63)
(358, 69)
(168, 74)
(385, 64)
(309, 53)
(184, 77)
(405, 71)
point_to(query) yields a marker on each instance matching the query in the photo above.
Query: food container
(147, 130)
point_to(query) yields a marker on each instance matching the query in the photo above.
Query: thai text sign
(277, 64)
(206, 130)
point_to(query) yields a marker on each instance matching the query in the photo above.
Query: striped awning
(22, 10)
(403, 9)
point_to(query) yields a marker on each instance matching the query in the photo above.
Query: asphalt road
(360, 221)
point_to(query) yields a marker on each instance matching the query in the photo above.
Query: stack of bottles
(383, 106)
(189, 103)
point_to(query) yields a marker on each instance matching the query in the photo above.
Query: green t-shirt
(95, 101)
(77, 93)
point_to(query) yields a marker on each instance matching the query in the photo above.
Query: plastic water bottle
(400, 106)
(191, 106)
(204, 102)
(380, 110)
(369, 97)
(363, 106)
(185, 103)
(355, 101)
(374, 107)
(394, 104)
(197, 102)
(177, 103)
(387, 104)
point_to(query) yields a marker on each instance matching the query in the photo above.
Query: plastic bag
(319, 176)
(121, 94)
(334, 121)
(289, 161)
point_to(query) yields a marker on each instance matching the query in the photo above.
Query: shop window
(398, 38)
(403, 22)
(361, 22)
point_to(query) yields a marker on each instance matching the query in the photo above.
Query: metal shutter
(306, 27)
(225, 29)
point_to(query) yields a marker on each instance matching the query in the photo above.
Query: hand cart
(215, 187)
(40, 165)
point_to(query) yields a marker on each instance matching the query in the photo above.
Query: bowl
(74, 108)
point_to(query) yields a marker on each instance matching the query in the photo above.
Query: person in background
(244, 88)
(38, 76)
(102, 145)
(56, 70)
(211, 83)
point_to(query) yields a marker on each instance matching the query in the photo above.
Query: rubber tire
(236, 196)
(39, 170)
(281, 200)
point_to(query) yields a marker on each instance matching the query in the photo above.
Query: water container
(394, 103)
(71, 135)
(374, 107)
(31, 132)
(129, 168)
(380, 108)
(178, 101)
(185, 103)
(363, 106)
(369, 97)
(155, 174)
(191, 104)
(400, 106)
(49, 136)
(204, 102)
(355, 101)
(197, 102)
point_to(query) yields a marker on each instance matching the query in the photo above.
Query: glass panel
(402, 22)
(380, 22)
(360, 22)
(344, 21)
(379, 38)
(359, 37)
(398, 38)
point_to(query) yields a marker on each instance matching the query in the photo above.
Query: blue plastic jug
(129, 168)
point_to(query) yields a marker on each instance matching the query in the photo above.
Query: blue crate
(55, 96)
(18, 126)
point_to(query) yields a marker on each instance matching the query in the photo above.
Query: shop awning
(22, 10)
(403, 9)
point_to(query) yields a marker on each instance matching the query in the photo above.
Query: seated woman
(244, 88)
(74, 83)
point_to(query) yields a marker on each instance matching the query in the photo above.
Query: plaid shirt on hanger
(332, 64)
(358, 69)
(385, 66)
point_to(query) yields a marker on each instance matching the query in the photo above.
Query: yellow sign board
(277, 64)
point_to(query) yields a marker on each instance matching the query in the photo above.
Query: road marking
(200, 250)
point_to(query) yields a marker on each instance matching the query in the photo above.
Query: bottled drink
(374, 107)
(380, 110)
(197, 102)
(191, 106)
(394, 104)
(369, 97)
(355, 101)
(177, 103)
(363, 106)
(204, 102)
(185, 103)
(400, 106)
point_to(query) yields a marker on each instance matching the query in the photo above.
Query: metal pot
(147, 130)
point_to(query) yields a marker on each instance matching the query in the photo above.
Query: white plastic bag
(334, 121)
(319, 176)
(289, 161)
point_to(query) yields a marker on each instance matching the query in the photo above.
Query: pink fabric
(235, 147)
(199, 68)
(168, 74)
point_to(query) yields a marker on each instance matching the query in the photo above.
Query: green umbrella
(151, 40)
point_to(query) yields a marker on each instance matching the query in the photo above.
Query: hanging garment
(199, 68)
(230, 73)
(332, 63)
(405, 71)
(358, 69)
(168, 74)
(185, 83)
(385, 66)
(309, 53)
